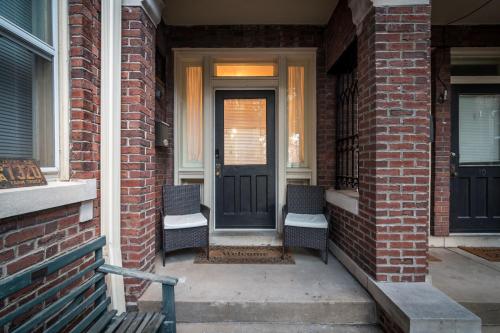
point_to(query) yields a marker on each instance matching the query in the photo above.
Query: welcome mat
(244, 255)
(488, 253)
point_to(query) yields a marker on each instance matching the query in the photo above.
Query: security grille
(347, 142)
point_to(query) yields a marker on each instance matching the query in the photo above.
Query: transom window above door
(245, 69)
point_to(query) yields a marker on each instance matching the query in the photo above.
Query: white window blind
(27, 122)
(245, 132)
(479, 125)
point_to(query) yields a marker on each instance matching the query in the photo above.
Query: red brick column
(394, 128)
(388, 238)
(138, 151)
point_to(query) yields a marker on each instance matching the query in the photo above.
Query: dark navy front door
(244, 159)
(475, 160)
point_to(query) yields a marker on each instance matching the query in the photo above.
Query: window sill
(18, 201)
(345, 199)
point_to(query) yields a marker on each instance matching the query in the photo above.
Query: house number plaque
(20, 173)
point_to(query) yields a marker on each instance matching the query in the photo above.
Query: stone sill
(18, 201)
(345, 199)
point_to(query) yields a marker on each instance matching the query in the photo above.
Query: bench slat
(115, 323)
(102, 322)
(77, 310)
(136, 322)
(145, 322)
(154, 324)
(89, 319)
(126, 323)
(46, 295)
(16, 282)
(58, 305)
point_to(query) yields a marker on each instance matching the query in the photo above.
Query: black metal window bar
(347, 140)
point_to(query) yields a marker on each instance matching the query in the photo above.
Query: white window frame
(52, 53)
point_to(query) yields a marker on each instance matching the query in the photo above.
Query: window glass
(33, 16)
(479, 128)
(193, 115)
(26, 105)
(296, 116)
(245, 131)
(245, 69)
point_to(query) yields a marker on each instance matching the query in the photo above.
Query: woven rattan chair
(185, 221)
(305, 222)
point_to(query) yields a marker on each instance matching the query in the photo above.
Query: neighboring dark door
(475, 159)
(244, 159)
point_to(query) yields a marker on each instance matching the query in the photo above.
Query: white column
(110, 144)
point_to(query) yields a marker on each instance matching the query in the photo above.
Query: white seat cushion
(184, 221)
(306, 220)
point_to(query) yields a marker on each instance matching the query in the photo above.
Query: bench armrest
(134, 273)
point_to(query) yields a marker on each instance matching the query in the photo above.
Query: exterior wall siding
(30, 238)
(138, 196)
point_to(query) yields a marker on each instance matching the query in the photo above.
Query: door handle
(218, 170)
(453, 170)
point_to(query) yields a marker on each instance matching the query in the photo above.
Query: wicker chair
(185, 221)
(305, 222)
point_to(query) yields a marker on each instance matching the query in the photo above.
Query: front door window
(479, 118)
(245, 131)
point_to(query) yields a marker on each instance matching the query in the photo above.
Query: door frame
(205, 173)
(274, 160)
(456, 89)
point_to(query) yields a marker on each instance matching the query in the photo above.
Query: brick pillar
(394, 89)
(138, 151)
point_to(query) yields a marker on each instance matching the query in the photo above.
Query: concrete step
(308, 292)
(271, 312)
(273, 328)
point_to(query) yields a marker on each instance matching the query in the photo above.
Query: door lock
(218, 170)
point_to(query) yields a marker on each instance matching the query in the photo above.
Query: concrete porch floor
(471, 281)
(306, 297)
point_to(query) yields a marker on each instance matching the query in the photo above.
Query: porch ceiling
(316, 12)
(446, 11)
(231, 12)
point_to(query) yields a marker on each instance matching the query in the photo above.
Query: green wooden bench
(78, 303)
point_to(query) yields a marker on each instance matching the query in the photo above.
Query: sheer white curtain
(193, 131)
(296, 116)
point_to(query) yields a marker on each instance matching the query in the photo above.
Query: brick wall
(30, 238)
(442, 143)
(164, 172)
(138, 197)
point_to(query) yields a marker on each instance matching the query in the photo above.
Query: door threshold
(245, 238)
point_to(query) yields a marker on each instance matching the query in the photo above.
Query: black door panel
(245, 187)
